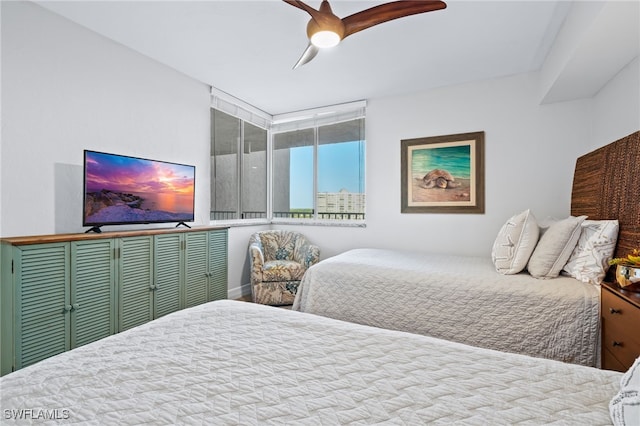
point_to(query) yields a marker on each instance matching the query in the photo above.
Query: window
(340, 193)
(293, 174)
(308, 165)
(318, 173)
(254, 172)
(238, 183)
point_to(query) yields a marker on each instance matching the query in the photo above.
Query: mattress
(457, 298)
(237, 363)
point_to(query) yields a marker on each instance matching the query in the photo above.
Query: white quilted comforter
(236, 363)
(457, 298)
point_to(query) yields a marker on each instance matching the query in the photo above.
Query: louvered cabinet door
(218, 248)
(196, 280)
(135, 281)
(168, 258)
(92, 290)
(42, 302)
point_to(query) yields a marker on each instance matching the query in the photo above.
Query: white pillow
(590, 259)
(555, 247)
(624, 408)
(544, 224)
(515, 243)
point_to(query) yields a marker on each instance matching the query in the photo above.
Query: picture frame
(443, 174)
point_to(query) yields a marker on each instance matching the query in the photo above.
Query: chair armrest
(308, 255)
(256, 259)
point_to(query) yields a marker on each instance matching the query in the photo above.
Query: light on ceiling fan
(325, 29)
(324, 39)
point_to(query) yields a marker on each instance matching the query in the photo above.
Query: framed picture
(443, 174)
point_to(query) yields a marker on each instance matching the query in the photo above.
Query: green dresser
(136, 280)
(58, 292)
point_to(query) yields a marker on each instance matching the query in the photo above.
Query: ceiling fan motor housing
(328, 23)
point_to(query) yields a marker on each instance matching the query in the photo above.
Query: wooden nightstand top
(629, 296)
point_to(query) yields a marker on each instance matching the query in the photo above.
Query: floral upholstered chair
(279, 259)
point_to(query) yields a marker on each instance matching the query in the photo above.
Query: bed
(417, 292)
(230, 362)
(466, 300)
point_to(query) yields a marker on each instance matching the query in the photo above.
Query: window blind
(318, 117)
(233, 106)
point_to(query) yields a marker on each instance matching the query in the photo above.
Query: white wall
(66, 89)
(0, 124)
(597, 39)
(616, 107)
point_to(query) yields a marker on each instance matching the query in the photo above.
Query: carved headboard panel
(606, 185)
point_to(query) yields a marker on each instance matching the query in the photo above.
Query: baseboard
(238, 292)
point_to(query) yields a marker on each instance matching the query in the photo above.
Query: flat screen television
(122, 190)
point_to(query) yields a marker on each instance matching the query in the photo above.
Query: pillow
(590, 259)
(555, 247)
(624, 408)
(515, 243)
(545, 224)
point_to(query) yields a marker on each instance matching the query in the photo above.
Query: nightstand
(620, 310)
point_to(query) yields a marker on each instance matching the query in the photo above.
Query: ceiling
(248, 48)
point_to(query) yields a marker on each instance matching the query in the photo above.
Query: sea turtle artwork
(438, 178)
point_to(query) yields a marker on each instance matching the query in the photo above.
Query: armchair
(278, 260)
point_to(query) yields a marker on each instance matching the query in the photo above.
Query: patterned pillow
(555, 247)
(515, 243)
(624, 408)
(590, 259)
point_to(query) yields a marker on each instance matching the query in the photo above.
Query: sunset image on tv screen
(121, 189)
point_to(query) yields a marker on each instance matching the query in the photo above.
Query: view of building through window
(339, 174)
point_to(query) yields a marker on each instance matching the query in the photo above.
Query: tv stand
(160, 270)
(95, 229)
(182, 223)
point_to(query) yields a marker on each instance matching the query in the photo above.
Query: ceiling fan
(325, 29)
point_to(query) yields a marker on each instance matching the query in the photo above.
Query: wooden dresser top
(56, 238)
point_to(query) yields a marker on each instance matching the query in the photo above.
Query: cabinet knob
(619, 344)
(614, 311)
(67, 308)
(75, 307)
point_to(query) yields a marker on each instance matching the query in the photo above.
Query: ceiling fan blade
(310, 52)
(387, 12)
(301, 5)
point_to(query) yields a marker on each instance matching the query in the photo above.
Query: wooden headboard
(606, 185)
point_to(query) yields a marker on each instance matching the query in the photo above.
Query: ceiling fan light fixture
(325, 29)
(324, 39)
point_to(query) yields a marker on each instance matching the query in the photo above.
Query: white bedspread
(236, 363)
(457, 298)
